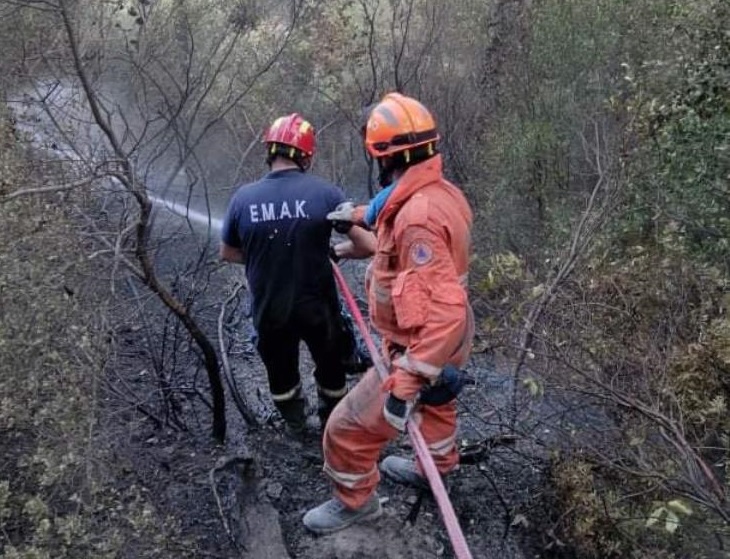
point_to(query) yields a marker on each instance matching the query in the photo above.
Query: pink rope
(458, 541)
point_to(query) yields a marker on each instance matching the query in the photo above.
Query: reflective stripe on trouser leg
(438, 423)
(288, 395)
(291, 406)
(328, 400)
(350, 481)
(438, 427)
(355, 434)
(332, 394)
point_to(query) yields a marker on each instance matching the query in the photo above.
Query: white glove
(343, 212)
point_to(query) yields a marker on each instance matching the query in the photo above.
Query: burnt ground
(164, 443)
(155, 435)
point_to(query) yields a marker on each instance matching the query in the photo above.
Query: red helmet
(292, 131)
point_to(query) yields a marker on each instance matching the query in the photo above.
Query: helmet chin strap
(386, 169)
(299, 159)
(398, 162)
(305, 163)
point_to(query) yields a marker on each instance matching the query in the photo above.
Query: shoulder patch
(421, 253)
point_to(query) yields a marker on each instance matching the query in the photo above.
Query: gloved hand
(447, 387)
(341, 218)
(397, 411)
(404, 388)
(333, 255)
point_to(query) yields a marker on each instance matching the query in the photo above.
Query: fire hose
(458, 541)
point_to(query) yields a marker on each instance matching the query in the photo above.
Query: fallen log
(249, 519)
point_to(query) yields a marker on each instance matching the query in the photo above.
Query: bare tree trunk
(148, 274)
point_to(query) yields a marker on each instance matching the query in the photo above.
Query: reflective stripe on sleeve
(382, 295)
(345, 479)
(415, 366)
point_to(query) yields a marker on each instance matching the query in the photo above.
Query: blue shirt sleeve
(377, 204)
(337, 196)
(229, 231)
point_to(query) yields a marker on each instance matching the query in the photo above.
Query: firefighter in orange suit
(417, 295)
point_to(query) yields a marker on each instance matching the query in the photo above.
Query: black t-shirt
(280, 224)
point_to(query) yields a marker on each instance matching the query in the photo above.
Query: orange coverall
(418, 303)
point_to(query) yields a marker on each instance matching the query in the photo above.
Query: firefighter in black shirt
(277, 228)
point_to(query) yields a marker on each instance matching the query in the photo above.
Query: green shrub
(62, 494)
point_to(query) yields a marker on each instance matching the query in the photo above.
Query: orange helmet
(291, 131)
(398, 123)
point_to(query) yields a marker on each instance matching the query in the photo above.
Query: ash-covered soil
(494, 493)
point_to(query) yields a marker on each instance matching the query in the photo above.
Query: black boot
(327, 403)
(292, 410)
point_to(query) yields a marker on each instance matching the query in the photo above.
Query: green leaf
(636, 441)
(537, 291)
(533, 387)
(520, 520)
(679, 506)
(671, 522)
(655, 516)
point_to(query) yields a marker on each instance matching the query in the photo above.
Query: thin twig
(47, 189)
(248, 416)
(579, 242)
